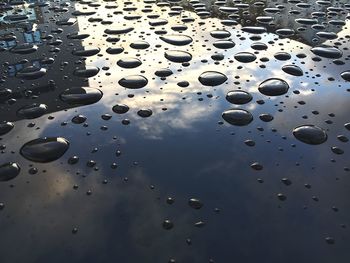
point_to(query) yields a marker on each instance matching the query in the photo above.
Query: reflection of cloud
(176, 117)
(129, 210)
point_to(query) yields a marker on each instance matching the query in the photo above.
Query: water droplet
(195, 203)
(133, 82)
(25, 48)
(178, 56)
(337, 150)
(212, 78)
(310, 134)
(293, 70)
(167, 224)
(273, 87)
(245, 57)
(238, 97)
(45, 149)
(266, 117)
(9, 171)
(330, 240)
(144, 113)
(31, 73)
(129, 62)
(256, 166)
(32, 111)
(78, 119)
(86, 72)
(327, 52)
(81, 95)
(5, 127)
(281, 197)
(86, 52)
(224, 44)
(177, 40)
(238, 117)
(120, 108)
(346, 75)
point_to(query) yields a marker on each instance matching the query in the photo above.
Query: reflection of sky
(184, 153)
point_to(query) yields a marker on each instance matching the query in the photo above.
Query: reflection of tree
(15, 94)
(282, 19)
(33, 14)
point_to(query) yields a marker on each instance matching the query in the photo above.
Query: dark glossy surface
(143, 163)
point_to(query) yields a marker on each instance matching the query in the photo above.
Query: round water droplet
(78, 119)
(45, 149)
(310, 134)
(167, 224)
(5, 127)
(238, 117)
(178, 56)
(346, 75)
(281, 197)
(133, 82)
(163, 73)
(238, 97)
(120, 108)
(266, 117)
(256, 166)
(129, 62)
(245, 57)
(212, 78)
(220, 34)
(144, 113)
(293, 70)
(273, 87)
(9, 171)
(195, 203)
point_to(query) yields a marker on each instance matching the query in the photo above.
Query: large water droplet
(86, 72)
(238, 117)
(273, 87)
(224, 44)
(25, 48)
(32, 111)
(86, 52)
(129, 62)
(245, 57)
(81, 95)
(133, 82)
(9, 171)
(310, 134)
(31, 72)
(346, 75)
(120, 108)
(178, 56)
(293, 70)
(45, 149)
(327, 52)
(212, 78)
(144, 113)
(5, 127)
(238, 97)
